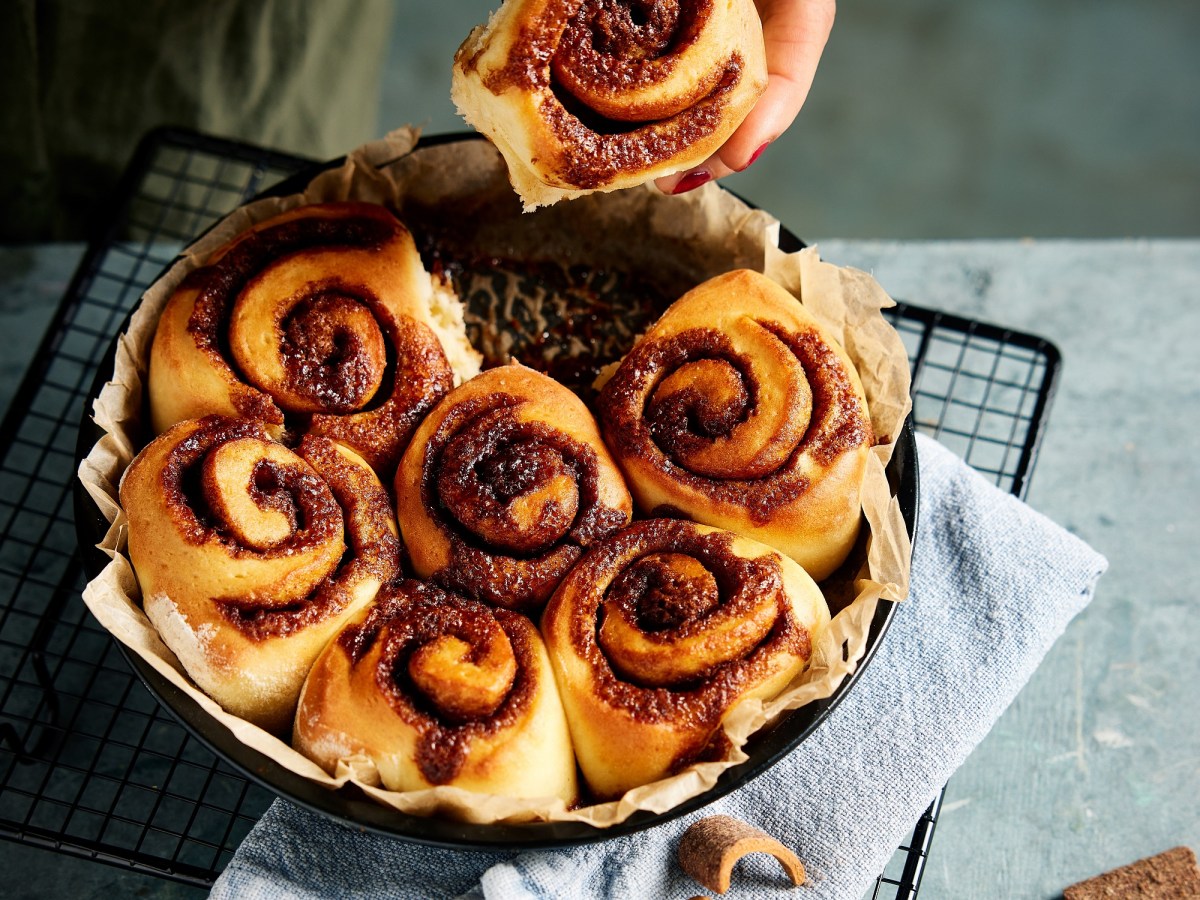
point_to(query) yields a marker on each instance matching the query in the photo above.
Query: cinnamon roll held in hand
(322, 319)
(251, 556)
(738, 410)
(438, 690)
(504, 486)
(659, 631)
(595, 95)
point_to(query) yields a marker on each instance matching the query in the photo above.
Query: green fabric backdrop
(81, 81)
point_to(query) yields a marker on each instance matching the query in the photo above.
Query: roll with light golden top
(660, 631)
(250, 556)
(596, 95)
(738, 410)
(321, 320)
(438, 690)
(505, 485)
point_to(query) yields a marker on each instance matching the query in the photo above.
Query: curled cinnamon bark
(711, 847)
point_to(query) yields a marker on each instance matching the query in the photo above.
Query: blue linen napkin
(994, 583)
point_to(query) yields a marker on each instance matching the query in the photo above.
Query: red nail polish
(757, 153)
(691, 181)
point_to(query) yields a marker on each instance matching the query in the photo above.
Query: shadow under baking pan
(352, 807)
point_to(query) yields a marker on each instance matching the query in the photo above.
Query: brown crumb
(709, 849)
(1171, 875)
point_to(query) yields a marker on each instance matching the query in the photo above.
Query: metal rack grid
(90, 764)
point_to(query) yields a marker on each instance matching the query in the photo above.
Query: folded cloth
(994, 584)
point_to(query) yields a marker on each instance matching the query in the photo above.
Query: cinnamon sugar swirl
(321, 320)
(595, 95)
(736, 409)
(660, 631)
(251, 556)
(505, 485)
(437, 690)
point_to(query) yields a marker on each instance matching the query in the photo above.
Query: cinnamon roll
(662, 629)
(595, 95)
(251, 556)
(504, 486)
(439, 690)
(738, 410)
(322, 320)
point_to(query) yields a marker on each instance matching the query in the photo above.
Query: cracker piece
(709, 849)
(1171, 875)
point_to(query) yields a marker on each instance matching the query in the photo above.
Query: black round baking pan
(355, 809)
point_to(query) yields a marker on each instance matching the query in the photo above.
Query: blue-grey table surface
(1097, 763)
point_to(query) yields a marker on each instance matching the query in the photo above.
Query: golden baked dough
(599, 95)
(322, 319)
(504, 486)
(659, 631)
(251, 556)
(738, 410)
(438, 690)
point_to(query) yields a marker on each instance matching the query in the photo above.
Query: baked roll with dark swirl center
(250, 556)
(595, 95)
(506, 483)
(322, 320)
(439, 690)
(660, 631)
(737, 409)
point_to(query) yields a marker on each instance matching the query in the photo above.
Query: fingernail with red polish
(691, 181)
(757, 153)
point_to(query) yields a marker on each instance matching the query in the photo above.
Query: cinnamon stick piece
(709, 849)
(1169, 875)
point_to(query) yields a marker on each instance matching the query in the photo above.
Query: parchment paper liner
(709, 231)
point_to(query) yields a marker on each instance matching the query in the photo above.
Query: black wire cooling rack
(90, 764)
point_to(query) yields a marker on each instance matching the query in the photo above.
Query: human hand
(795, 32)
